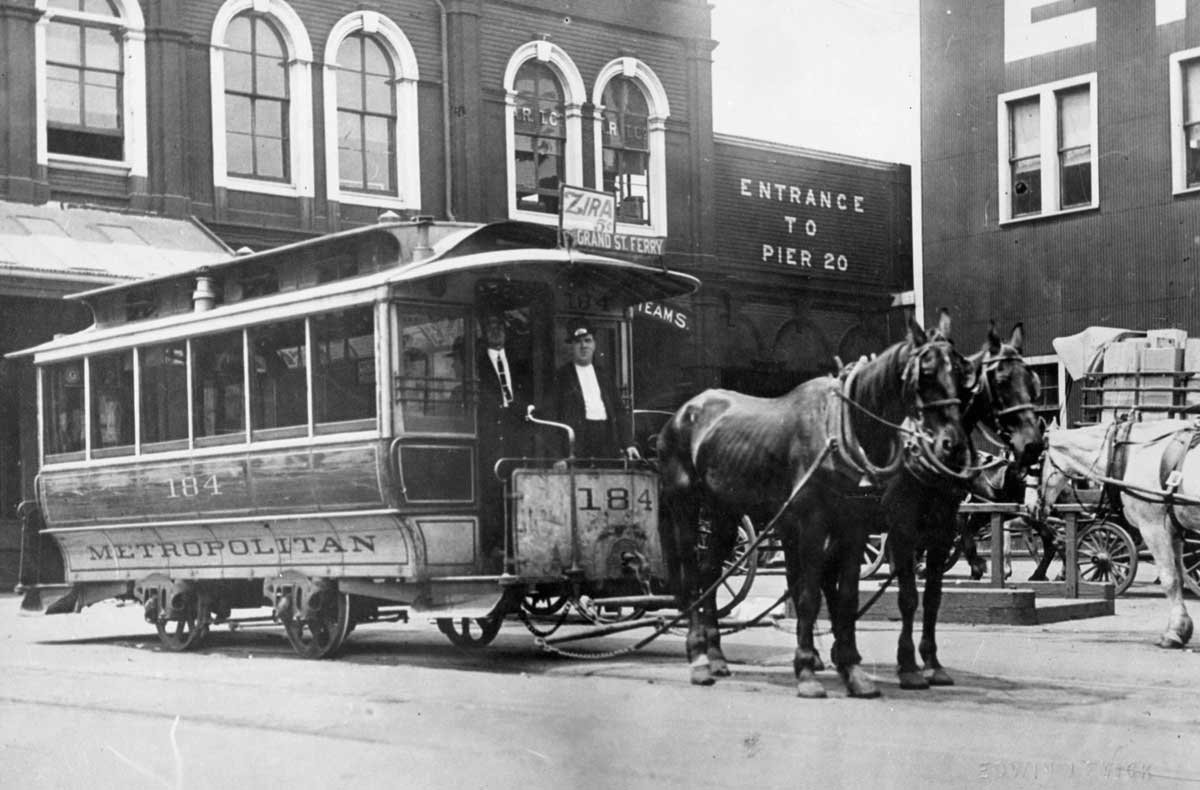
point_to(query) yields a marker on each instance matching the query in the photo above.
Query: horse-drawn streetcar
(297, 429)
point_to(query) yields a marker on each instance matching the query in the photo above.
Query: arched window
(256, 99)
(626, 149)
(261, 78)
(630, 139)
(91, 57)
(545, 95)
(366, 116)
(540, 137)
(372, 154)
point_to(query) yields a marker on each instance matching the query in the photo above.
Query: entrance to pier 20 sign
(588, 218)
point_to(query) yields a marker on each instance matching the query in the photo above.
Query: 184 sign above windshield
(588, 219)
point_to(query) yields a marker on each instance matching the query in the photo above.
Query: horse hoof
(859, 684)
(1170, 641)
(913, 680)
(702, 673)
(810, 689)
(938, 677)
(719, 669)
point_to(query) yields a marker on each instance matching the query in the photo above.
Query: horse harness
(1170, 469)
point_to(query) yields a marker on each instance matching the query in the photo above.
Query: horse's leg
(682, 511)
(1049, 549)
(902, 548)
(722, 539)
(842, 574)
(1167, 550)
(804, 553)
(936, 552)
(970, 548)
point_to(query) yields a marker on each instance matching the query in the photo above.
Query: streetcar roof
(454, 247)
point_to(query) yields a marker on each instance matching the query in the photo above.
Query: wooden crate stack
(1158, 374)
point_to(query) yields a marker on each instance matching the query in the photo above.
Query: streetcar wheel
(322, 634)
(470, 632)
(1107, 553)
(737, 585)
(873, 555)
(540, 603)
(1191, 561)
(187, 632)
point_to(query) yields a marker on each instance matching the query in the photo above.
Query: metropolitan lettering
(351, 544)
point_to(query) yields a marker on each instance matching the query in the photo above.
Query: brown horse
(801, 457)
(921, 511)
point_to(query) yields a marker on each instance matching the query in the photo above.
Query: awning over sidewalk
(52, 250)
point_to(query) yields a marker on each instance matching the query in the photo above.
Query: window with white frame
(1048, 143)
(630, 138)
(261, 99)
(91, 80)
(543, 129)
(372, 152)
(256, 99)
(1185, 120)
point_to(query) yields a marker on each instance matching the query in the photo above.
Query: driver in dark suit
(584, 399)
(503, 396)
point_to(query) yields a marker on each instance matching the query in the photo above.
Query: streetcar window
(278, 380)
(112, 402)
(344, 367)
(164, 396)
(218, 393)
(432, 385)
(63, 408)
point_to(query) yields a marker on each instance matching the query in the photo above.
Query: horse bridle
(914, 448)
(995, 432)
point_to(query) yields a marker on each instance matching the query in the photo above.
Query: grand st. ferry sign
(588, 218)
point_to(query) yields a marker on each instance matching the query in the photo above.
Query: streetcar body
(299, 428)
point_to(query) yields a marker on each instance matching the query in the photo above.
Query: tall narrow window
(64, 420)
(278, 380)
(539, 125)
(84, 76)
(1074, 148)
(1025, 159)
(112, 401)
(344, 367)
(164, 396)
(1191, 121)
(218, 394)
(256, 99)
(366, 116)
(626, 149)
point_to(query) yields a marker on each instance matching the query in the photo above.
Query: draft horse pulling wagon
(302, 429)
(796, 459)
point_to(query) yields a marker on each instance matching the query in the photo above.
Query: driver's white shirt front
(593, 403)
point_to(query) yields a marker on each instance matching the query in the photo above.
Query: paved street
(90, 701)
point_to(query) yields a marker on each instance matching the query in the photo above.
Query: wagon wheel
(736, 587)
(321, 635)
(470, 632)
(874, 553)
(1107, 553)
(189, 631)
(1191, 561)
